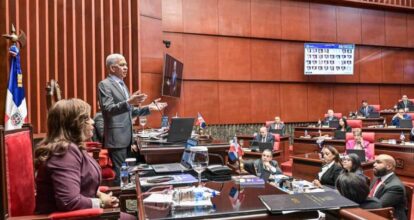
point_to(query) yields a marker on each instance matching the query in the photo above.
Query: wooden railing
(383, 4)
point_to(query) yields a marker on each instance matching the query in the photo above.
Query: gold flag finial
(16, 38)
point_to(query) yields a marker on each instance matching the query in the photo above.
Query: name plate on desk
(306, 202)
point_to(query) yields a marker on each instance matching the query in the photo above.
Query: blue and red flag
(235, 150)
(200, 121)
(16, 109)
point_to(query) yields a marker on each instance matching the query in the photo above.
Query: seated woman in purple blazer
(359, 143)
(67, 177)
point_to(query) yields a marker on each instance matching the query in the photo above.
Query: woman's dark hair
(353, 187)
(333, 151)
(345, 123)
(66, 124)
(356, 162)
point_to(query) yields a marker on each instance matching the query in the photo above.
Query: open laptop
(411, 108)
(406, 123)
(183, 166)
(360, 153)
(256, 146)
(339, 135)
(374, 115)
(179, 132)
(333, 124)
(276, 131)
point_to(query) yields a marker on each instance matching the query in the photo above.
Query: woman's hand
(108, 200)
(316, 183)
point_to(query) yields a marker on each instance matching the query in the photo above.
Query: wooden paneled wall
(68, 40)
(243, 59)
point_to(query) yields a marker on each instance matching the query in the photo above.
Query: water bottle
(306, 133)
(198, 194)
(124, 175)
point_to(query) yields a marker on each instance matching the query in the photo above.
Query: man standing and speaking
(118, 109)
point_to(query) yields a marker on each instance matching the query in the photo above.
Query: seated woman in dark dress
(352, 164)
(353, 187)
(343, 125)
(67, 177)
(331, 168)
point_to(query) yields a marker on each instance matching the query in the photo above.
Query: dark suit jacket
(364, 113)
(371, 203)
(68, 182)
(281, 127)
(392, 194)
(269, 138)
(260, 168)
(117, 114)
(400, 104)
(98, 130)
(326, 120)
(330, 176)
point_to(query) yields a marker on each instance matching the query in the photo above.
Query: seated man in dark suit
(387, 187)
(404, 103)
(365, 109)
(330, 117)
(264, 166)
(264, 136)
(400, 115)
(278, 125)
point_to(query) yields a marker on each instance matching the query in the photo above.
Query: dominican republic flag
(236, 198)
(235, 150)
(200, 121)
(16, 109)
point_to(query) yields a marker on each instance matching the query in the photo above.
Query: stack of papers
(175, 179)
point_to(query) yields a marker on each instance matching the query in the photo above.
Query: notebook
(183, 166)
(360, 153)
(406, 123)
(340, 135)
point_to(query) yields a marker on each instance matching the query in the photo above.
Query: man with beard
(387, 187)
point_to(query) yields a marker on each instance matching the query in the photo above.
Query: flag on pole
(235, 150)
(201, 122)
(16, 109)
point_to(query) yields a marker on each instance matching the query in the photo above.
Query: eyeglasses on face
(266, 155)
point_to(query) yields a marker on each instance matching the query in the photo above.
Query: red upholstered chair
(276, 144)
(268, 123)
(377, 108)
(354, 123)
(410, 205)
(338, 115)
(367, 136)
(18, 182)
(102, 157)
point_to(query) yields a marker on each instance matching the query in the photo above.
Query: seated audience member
(352, 164)
(98, 127)
(387, 187)
(330, 117)
(354, 188)
(331, 168)
(343, 125)
(400, 115)
(267, 164)
(264, 136)
(67, 177)
(278, 124)
(365, 109)
(405, 103)
(358, 143)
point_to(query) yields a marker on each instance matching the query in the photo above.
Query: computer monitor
(374, 115)
(333, 124)
(276, 131)
(172, 76)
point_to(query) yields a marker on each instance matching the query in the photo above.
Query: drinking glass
(143, 122)
(199, 160)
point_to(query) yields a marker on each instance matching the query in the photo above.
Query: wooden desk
(313, 131)
(388, 133)
(403, 155)
(307, 166)
(283, 146)
(371, 121)
(156, 153)
(309, 145)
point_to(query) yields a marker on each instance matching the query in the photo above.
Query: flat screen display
(173, 74)
(329, 59)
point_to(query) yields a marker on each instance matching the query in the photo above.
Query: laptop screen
(333, 124)
(360, 153)
(180, 129)
(276, 131)
(406, 123)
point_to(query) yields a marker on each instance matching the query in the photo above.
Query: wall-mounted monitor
(329, 59)
(172, 77)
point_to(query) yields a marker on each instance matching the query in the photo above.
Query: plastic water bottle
(198, 194)
(124, 175)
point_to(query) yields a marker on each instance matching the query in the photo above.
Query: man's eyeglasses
(265, 155)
